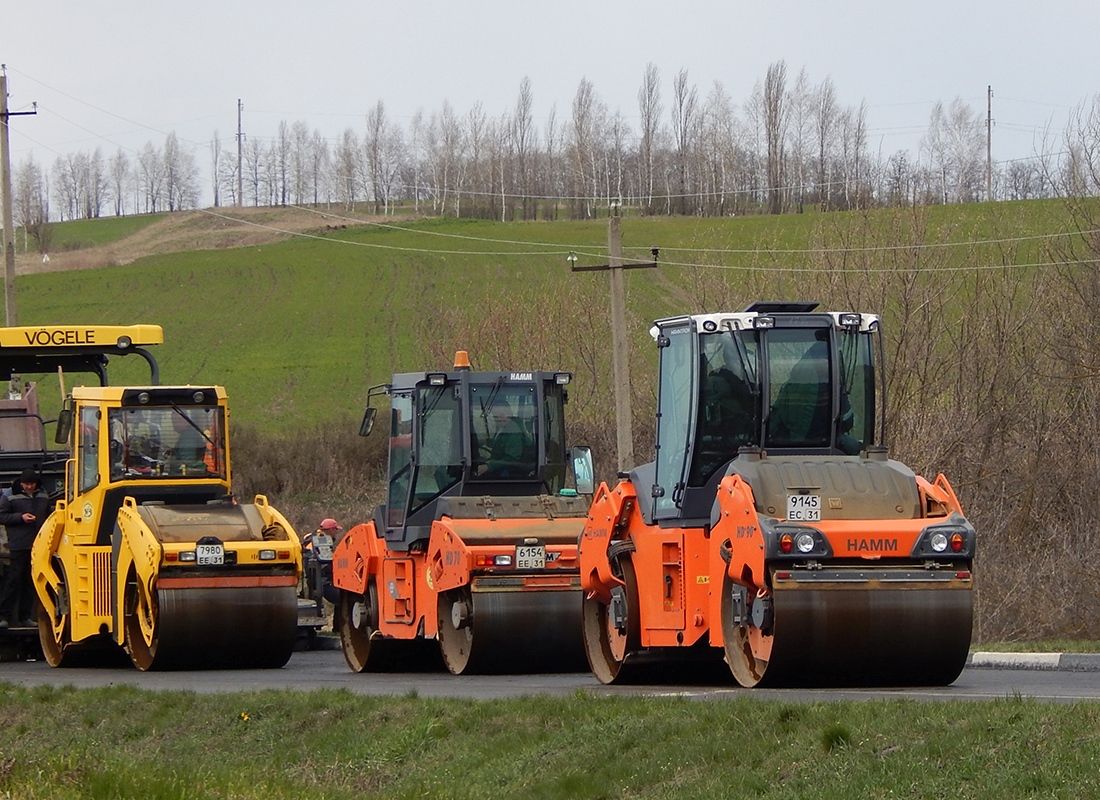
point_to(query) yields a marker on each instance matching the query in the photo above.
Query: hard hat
(329, 524)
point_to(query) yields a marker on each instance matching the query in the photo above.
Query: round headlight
(939, 542)
(804, 542)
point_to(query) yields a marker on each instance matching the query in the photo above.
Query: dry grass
(207, 229)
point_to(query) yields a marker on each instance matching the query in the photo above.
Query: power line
(746, 251)
(557, 253)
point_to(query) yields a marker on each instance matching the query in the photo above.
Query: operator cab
(777, 378)
(468, 434)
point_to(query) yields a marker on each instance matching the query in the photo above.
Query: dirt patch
(208, 229)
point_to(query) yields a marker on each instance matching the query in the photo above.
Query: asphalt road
(1041, 679)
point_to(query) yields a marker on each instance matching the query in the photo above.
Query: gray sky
(126, 72)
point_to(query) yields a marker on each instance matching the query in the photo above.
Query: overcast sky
(126, 72)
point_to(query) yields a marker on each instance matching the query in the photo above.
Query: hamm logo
(873, 545)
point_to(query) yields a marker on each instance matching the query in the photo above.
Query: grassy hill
(298, 326)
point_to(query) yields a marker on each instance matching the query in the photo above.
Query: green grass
(1043, 646)
(126, 743)
(81, 233)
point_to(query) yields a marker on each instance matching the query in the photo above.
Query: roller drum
(511, 631)
(224, 628)
(881, 636)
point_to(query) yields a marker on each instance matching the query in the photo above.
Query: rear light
(171, 557)
(187, 555)
(785, 543)
(493, 561)
(957, 542)
(284, 554)
(805, 542)
(939, 542)
(267, 555)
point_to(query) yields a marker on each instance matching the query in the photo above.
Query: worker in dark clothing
(506, 454)
(22, 513)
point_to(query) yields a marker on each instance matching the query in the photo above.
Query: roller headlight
(788, 540)
(952, 538)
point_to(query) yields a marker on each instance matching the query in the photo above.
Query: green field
(123, 743)
(298, 330)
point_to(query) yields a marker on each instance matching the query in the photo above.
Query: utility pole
(5, 179)
(620, 352)
(240, 150)
(989, 144)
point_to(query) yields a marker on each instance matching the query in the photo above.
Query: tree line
(790, 145)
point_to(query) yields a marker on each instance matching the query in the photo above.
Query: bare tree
(954, 146)
(279, 164)
(298, 167)
(685, 100)
(524, 142)
(719, 148)
(30, 204)
(649, 112)
(826, 123)
(588, 115)
(853, 145)
(443, 144)
(800, 134)
(346, 168)
(481, 179)
(775, 122)
(180, 175)
(216, 168)
(119, 178)
(151, 177)
(374, 145)
(95, 186)
(253, 159)
(551, 184)
(319, 166)
(226, 178)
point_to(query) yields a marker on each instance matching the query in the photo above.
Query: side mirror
(64, 426)
(367, 424)
(582, 469)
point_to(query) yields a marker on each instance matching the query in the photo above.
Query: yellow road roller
(149, 551)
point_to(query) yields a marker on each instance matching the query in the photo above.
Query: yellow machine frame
(83, 563)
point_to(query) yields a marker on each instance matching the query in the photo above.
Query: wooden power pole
(5, 180)
(240, 150)
(620, 350)
(989, 144)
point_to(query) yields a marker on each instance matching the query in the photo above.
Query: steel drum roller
(210, 628)
(892, 634)
(511, 631)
